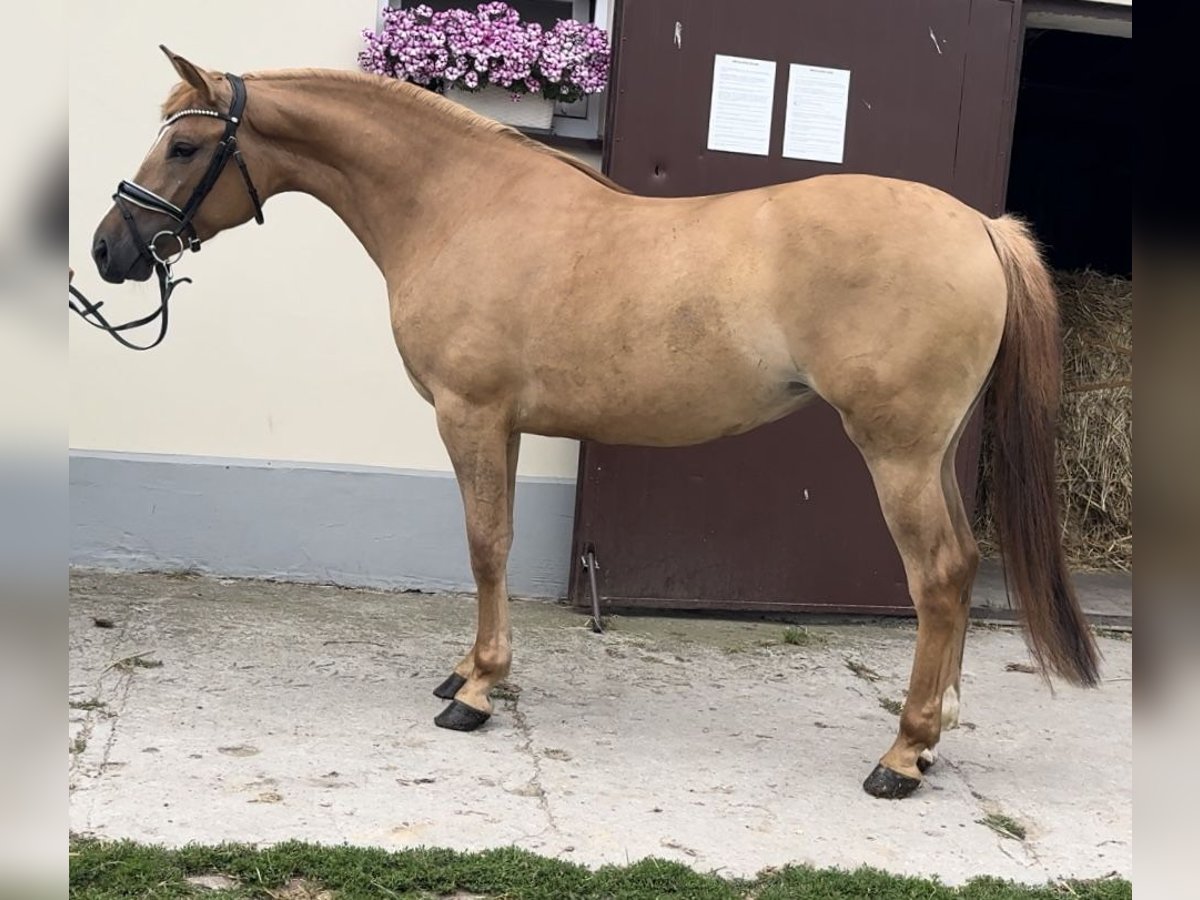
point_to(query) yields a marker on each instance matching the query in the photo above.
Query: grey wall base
(350, 526)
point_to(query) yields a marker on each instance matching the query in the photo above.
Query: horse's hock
(1095, 436)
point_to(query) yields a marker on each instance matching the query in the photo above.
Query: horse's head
(184, 192)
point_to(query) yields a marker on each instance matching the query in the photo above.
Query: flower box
(489, 60)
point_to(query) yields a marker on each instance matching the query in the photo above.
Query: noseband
(130, 193)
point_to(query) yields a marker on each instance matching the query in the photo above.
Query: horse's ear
(201, 80)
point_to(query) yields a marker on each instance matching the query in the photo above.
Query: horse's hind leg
(456, 679)
(970, 550)
(484, 455)
(952, 695)
(914, 503)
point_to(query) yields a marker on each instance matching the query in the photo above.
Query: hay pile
(1095, 434)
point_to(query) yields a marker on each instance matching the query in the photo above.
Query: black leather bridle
(184, 233)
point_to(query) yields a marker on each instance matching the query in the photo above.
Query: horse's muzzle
(118, 261)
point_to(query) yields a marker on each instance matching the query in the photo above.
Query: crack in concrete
(521, 723)
(110, 711)
(124, 685)
(75, 768)
(986, 806)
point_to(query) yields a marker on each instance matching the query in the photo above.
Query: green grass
(895, 707)
(86, 705)
(136, 661)
(799, 636)
(1003, 825)
(140, 662)
(107, 871)
(862, 670)
(506, 691)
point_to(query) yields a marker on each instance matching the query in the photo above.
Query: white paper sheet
(739, 119)
(815, 125)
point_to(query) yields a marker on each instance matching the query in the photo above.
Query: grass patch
(1021, 667)
(112, 871)
(506, 691)
(87, 705)
(185, 574)
(861, 670)
(895, 707)
(1003, 825)
(136, 661)
(798, 636)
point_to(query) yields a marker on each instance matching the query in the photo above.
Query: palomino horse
(893, 301)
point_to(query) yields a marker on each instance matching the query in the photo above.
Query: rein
(184, 233)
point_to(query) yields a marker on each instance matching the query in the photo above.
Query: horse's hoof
(460, 717)
(448, 688)
(889, 785)
(926, 760)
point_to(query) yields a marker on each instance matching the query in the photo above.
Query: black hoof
(460, 717)
(923, 763)
(448, 688)
(888, 785)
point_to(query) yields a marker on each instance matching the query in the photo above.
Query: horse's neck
(394, 169)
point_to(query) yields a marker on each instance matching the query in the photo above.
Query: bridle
(130, 193)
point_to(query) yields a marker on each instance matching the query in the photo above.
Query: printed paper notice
(739, 120)
(815, 126)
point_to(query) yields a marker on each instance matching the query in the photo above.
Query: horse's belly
(680, 406)
(679, 363)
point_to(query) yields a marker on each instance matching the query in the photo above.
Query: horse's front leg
(456, 679)
(483, 451)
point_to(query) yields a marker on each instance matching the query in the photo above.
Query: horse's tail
(1025, 395)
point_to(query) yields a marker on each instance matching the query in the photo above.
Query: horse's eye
(180, 150)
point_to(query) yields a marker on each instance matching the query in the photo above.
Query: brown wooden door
(784, 518)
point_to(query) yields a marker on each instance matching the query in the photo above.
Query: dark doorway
(1072, 156)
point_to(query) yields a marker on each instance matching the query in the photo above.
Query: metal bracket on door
(591, 567)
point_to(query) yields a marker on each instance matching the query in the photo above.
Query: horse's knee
(488, 565)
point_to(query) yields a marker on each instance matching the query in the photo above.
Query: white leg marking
(930, 755)
(950, 708)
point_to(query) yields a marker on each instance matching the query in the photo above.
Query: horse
(661, 322)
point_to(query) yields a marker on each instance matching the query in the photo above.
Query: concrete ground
(261, 712)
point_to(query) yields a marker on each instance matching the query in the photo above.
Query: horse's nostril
(100, 253)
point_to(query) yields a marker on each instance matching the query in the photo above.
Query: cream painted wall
(281, 349)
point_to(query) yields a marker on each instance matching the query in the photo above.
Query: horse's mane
(184, 95)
